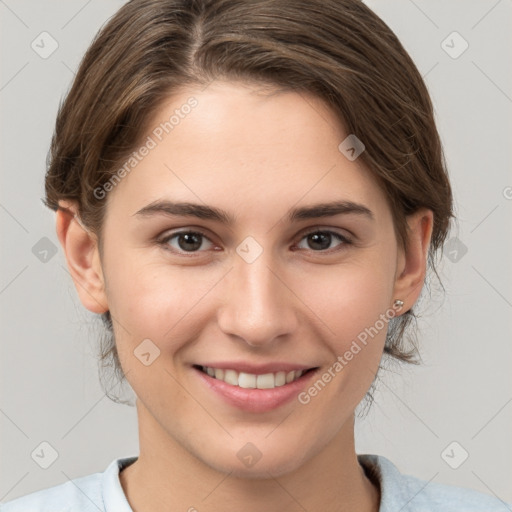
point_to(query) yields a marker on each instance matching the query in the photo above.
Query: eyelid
(346, 240)
(164, 239)
(326, 229)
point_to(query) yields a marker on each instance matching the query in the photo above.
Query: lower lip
(256, 400)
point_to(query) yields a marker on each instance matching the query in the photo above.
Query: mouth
(254, 381)
(255, 392)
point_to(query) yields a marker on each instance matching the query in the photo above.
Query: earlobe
(412, 262)
(82, 256)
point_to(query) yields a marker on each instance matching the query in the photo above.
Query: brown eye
(187, 241)
(321, 240)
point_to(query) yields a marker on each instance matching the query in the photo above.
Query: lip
(256, 400)
(256, 369)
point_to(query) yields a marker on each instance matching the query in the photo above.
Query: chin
(239, 464)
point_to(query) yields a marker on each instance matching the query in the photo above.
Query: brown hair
(338, 50)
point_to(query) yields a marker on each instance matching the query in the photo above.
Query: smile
(271, 386)
(252, 381)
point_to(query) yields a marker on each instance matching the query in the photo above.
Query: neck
(167, 477)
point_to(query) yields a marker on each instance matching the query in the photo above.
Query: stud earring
(398, 303)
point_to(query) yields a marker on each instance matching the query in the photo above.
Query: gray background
(49, 383)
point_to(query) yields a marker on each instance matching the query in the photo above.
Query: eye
(187, 241)
(319, 240)
(193, 241)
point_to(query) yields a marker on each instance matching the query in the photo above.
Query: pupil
(316, 237)
(193, 238)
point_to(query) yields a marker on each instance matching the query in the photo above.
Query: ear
(82, 256)
(412, 262)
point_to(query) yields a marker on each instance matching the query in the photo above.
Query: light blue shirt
(399, 493)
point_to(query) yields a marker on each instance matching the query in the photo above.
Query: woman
(291, 146)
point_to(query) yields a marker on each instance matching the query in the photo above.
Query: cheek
(157, 301)
(355, 312)
(349, 298)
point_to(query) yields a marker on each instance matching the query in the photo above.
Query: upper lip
(256, 369)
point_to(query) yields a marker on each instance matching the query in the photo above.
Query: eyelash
(164, 242)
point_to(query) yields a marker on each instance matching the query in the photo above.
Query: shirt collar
(381, 471)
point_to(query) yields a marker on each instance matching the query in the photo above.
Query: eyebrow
(169, 208)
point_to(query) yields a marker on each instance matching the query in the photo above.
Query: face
(266, 292)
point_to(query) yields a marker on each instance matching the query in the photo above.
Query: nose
(259, 306)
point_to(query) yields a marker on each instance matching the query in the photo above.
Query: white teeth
(265, 381)
(246, 380)
(231, 377)
(251, 381)
(280, 379)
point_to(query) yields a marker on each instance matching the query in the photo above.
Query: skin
(256, 156)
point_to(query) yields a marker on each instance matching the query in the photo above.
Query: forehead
(245, 146)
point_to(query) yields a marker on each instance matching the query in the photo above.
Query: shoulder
(91, 493)
(410, 494)
(79, 494)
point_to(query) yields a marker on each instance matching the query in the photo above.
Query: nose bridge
(257, 304)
